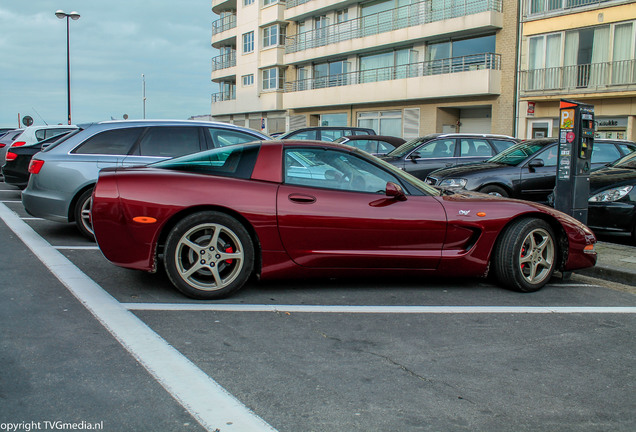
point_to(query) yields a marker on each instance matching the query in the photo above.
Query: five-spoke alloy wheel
(208, 255)
(526, 255)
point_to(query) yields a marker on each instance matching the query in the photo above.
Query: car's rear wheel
(83, 214)
(208, 255)
(525, 256)
(494, 190)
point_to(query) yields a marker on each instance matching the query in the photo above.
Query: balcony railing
(433, 67)
(223, 96)
(395, 19)
(540, 8)
(223, 24)
(293, 3)
(224, 61)
(601, 77)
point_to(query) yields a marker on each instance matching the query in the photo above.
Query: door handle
(302, 199)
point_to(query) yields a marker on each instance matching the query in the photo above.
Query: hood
(463, 170)
(608, 177)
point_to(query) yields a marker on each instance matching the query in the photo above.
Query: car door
(339, 215)
(536, 183)
(474, 150)
(432, 155)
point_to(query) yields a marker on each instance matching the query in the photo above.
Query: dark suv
(325, 133)
(422, 155)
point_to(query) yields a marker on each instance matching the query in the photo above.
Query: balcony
(619, 76)
(473, 75)
(224, 61)
(294, 3)
(223, 96)
(537, 9)
(398, 18)
(223, 24)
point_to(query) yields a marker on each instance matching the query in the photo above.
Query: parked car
(5, 142)
(325, 133)
(63, 175)
(377, 145)
(5, 130)
(612, 203)
(526, 170)
(422, 155)
(34, 134)
(16, 167)
(365, 218)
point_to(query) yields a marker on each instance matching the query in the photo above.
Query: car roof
(387, 138)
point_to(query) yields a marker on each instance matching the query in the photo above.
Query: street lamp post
(74, 16)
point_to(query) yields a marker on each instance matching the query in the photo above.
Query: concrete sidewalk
(616, 262)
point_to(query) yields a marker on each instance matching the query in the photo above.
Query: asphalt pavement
(616, 263)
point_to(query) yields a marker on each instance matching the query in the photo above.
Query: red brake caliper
(228, 249)
(523, 254)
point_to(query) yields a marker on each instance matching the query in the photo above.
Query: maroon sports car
(302, 209)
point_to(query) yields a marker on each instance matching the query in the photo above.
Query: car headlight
(453, 183)
(610, 195)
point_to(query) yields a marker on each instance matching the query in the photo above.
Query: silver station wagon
(63, 175)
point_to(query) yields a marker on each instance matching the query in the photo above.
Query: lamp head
(60, 14)
(74, 15)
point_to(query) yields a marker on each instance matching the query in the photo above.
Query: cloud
(112, 44)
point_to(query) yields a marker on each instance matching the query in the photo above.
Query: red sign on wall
(530, 109)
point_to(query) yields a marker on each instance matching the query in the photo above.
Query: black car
(612, 203)
(422, 155)
(375, 144)
(325, 133)
(16, 167)
(526, 170)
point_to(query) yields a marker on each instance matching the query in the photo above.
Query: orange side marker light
(481, 214)
(144, 219)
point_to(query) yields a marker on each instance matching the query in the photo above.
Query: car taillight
(2, 145)
(11, 156)
(35, 166)
(18, 144)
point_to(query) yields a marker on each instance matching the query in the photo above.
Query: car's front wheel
(208, 255)
(83, 214)
(526, 254)
(494, 190)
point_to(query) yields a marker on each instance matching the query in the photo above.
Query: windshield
(407, 147)
(519, 152)
(628, 162)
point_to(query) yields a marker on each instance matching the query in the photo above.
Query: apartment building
(583, 50)
(402, 67)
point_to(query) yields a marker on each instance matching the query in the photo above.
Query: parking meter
(576, 141)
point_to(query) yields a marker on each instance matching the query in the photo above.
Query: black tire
(208, 255)
(525, 256)
(82, 214)
(495, 190)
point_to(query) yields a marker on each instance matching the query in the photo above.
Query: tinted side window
(331, 134)
(226, 137)
(603, 153)
(361, 132)
(501, 145)
(332, 169)
(626, 148)
(112, 142)
(475, 147)
(39, 134)
(304, 135)
(549, 156)
(170, 141)
(234, 161)
(437, 149)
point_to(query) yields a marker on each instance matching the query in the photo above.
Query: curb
(610, 273)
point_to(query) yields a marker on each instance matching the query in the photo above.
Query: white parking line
(205, 399)
(378, 309)
(10, 201)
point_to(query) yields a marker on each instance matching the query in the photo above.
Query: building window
(248, 2)
(272, 79)
(382, 122)
(273, 35)
(330, 74)
(248, 80)
(269, 2)
(248, 42)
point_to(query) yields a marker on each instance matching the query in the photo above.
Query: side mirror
(395, 191)
(415, 155)
(536, 163)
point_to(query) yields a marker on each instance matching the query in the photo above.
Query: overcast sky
(112, 45)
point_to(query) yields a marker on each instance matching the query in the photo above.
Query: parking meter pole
(576, 140)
